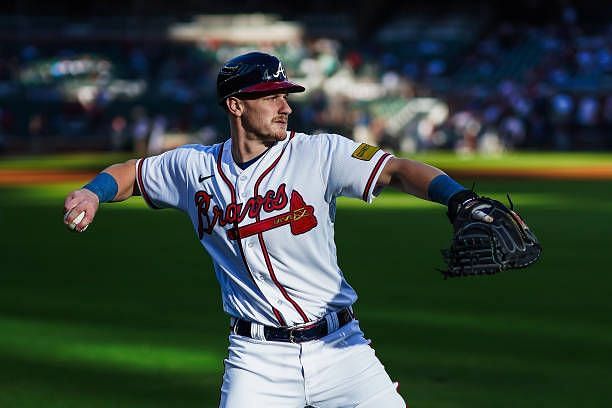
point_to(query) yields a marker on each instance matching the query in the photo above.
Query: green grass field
(129, 313)
(97, 161)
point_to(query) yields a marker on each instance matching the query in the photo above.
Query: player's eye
(277, 97)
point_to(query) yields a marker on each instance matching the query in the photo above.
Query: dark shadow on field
(106, 387)
(138, 276)
(141, 277)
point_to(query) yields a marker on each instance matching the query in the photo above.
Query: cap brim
(271, 87)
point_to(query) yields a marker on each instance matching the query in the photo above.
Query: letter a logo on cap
(280, 72)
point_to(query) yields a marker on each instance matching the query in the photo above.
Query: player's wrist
(442, 188)
(104, 186)
(457, 201)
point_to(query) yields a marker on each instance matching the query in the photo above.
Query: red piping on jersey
(278, 315)
(263, 245)
(142, 187)
(223, 176)
(372, 175)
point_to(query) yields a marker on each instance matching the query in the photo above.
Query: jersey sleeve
(350, 168)
(162, 179)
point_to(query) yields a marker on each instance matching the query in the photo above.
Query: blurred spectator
(157, 135)
(466, 127)
(512, 131)
(562, 109)
(140, 130)
(207, 135)
(36, 131)
(588, 111)
(118, 139)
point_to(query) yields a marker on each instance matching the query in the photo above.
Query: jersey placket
(286, 298)
(249, 244)
(254, 249)
(225, 155)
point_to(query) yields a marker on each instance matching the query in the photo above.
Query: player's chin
(280, 130)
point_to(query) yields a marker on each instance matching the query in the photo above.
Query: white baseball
(77, 220)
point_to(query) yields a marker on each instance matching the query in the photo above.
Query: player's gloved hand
(488, 237)
(459, 201)
(77, 202)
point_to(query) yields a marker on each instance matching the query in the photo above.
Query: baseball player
(263, 205)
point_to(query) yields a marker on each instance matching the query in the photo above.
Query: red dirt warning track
(25, 177)
(601, 172)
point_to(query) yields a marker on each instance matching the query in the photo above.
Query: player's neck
(244, 149)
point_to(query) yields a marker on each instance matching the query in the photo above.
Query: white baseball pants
(340, 370)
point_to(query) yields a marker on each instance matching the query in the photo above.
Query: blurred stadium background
(513, 95)
(469, 76)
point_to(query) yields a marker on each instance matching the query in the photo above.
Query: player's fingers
(77, 196)
(80, 222)
(80, 207)
(74, 217)
(74, 199)
(70, 214)
(80, 216)
(82, 226)
(91, 208)
(70, 202)
(75, 210)
(85, 221)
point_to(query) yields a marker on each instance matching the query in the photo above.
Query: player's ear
(234, 106)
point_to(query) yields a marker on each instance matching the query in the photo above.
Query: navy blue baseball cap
(252, 74)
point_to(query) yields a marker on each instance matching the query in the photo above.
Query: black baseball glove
(488, 237)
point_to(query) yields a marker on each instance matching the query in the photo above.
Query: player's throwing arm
(115, 183)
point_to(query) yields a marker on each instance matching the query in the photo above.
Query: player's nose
(284, 107)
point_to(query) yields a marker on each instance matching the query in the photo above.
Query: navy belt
(296, 334)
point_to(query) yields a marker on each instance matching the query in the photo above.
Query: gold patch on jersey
(365, 152)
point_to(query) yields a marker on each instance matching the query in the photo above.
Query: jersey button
(242, 178)
(261, 276)
(250, 244)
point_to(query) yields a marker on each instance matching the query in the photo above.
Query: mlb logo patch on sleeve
(365, 152)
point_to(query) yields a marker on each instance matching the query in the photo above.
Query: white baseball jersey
(269, 228)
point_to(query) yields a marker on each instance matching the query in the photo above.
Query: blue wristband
(442, 188)
(104, 186)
